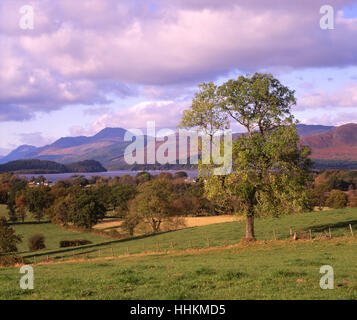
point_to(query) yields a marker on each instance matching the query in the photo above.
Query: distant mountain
(109, 133)
(105, 146)
(108, 146)
(36, 166)
(337, 144)
(22, 152)
(305, 130)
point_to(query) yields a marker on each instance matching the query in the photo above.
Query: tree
(142, 177)
(121, 195)
(21, 206)
(154, 202)
(86, 210)
(8, 238)
(59, 210)
(16, 187)
(337, 199)
(318, 196)
(270, 168)
(38, 199)
(205, 113)
(180, 175)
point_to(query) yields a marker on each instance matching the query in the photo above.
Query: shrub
(10, 260)
(73, 243)
(337, 200)
(352, 201)
(37, 242)
(8, 238)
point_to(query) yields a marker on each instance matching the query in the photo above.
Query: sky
(87, 65)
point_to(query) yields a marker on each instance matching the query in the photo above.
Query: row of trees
(83, 205)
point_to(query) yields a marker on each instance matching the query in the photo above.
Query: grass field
(205, 262)
(218, 235)
(53, 235)
(275, 270)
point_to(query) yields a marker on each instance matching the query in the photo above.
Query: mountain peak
(110, 133)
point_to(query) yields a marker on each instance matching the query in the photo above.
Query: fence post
(274, 234)
(291, 232)
(329, 232)
(310, 234)
(127, 250)
(351, 230)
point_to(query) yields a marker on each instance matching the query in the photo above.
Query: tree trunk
(249, 230)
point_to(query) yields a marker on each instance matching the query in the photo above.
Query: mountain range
(108, 146)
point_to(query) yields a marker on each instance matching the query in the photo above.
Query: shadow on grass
(28, 223)
(333, 226)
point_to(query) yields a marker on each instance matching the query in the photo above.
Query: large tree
(154, 202)
(270, 168)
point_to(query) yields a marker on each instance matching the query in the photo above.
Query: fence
(98, 251)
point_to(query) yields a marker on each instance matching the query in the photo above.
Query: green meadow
(205, 262)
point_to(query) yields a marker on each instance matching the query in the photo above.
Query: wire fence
(109, 250)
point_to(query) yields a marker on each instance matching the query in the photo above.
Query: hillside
(337, 144)
(36, 166)
(185, 265)
(332, 147)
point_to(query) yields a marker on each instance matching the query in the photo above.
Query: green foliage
(270, 168)
(45, 166)
(337, 199)
(120, 196)
(180, 175)
(37, 242)
(8, 238)
(338, 179)
(317, 195)
(143, 176)
(205, 113)
(87, 210)
(154, 202)
(85, 166)
(38, 199)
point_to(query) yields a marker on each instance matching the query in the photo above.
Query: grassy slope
(231, 232)
(53, 235)
(279, 270)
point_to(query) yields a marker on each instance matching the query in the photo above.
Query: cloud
(35, 139)
(81, 53)
(344, 97)
(333, 119)
(4, 151)
(166, 114)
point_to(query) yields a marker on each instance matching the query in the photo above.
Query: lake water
(53, 177)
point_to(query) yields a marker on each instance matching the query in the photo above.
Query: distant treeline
(36, 166)
(324, 164)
